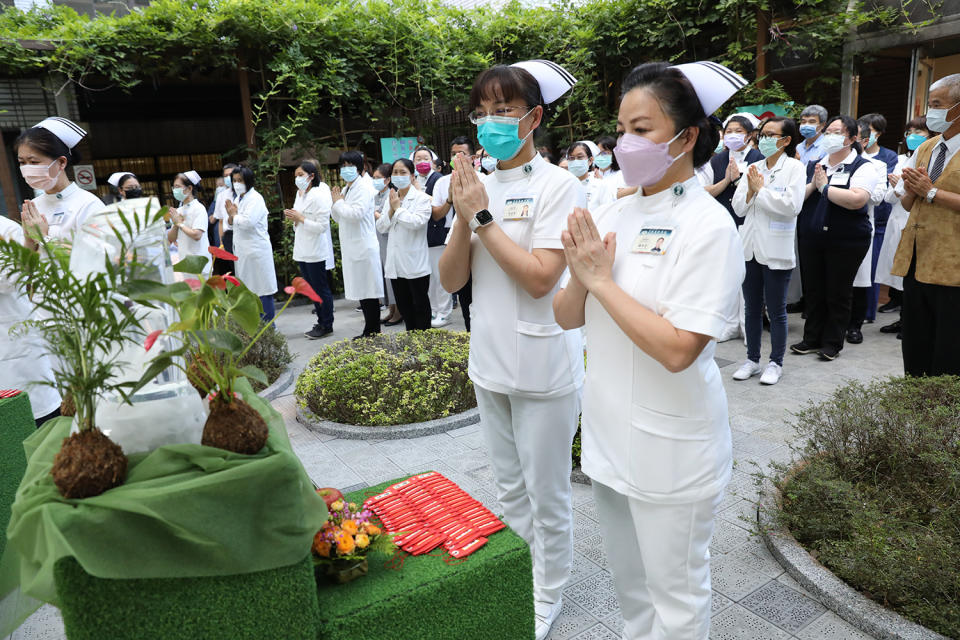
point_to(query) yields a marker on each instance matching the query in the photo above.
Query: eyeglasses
(770, 135)
(476, 116)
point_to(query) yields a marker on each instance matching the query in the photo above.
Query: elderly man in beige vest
(928, 257)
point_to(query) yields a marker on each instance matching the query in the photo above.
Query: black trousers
(931, 327)
(858, 309)
(221, 267)
(413, 301)
(828, 273)
(371, 315)
(315, 273)
(465, 296)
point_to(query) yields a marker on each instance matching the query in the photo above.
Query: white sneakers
(546, 615)
(749, 368)
(440, 321)
(771, 373)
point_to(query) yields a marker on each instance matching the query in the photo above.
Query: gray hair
(815, 110)
(951, 83)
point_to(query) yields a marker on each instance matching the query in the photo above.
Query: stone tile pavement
(753, 598)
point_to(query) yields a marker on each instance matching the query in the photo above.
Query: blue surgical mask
(349, 174)
(379, 184)
(914, 140)
(872, 141)
(489, 164)
(578, 167)
(500, 136)
(400, 182)
(178, 194)
(603, 161)
(808, 130)
(227, 182)
(768, 146)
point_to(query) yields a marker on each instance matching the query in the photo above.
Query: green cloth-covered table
(16, 424)
(185, 511)
(487, 595)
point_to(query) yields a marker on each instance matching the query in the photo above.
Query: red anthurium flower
(217, 282)
(148, 343)
(194, 283)
(231, 280)
(217, 252)
(303, 287)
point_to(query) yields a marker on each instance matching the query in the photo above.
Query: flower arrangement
(348, 535)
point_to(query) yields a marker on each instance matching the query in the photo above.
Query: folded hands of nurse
(469, 194)
(32, 220)
(589, 257)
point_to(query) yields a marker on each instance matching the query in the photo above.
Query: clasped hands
(917, 181)
(589, 257)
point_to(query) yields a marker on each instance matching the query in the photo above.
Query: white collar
(850, 158)
(953, 144)
(676, 190)
(525, 170)
(68, 191)
(777, 166)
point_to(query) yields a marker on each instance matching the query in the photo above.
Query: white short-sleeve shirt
(516, 345)
(649, 433)
(441, 191)
(194, 216)
(66, 211)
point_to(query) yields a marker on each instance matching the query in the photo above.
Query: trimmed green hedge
(877, 496)
(388, 379)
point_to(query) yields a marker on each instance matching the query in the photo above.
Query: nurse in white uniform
(189, 220)
(353, 212)
(580, 164)
(46, 153)
(653, 282)
(527, 371)
(126, 185)
(247, 216)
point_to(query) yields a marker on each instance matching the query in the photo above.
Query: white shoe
(747, 370)
(771, 373)
(546, 615)
(440, 321)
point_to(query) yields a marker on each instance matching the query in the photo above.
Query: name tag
(519, 207)
(652, 241)
(56, 218)
(840, 179)
(781, 226)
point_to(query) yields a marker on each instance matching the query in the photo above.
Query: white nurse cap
(68, 133)
(553, 79)
(754, 120)
(433, 156)
(114, 179)
(192, 176)
(713, 82)
(594, 149)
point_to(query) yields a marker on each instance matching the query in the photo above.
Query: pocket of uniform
(669, 453)
(542, 361)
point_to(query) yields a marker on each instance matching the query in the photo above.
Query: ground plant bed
(389, 379)
(876, 496)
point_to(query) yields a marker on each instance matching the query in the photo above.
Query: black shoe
(854, 336)
(893, 327)
(890, 307)
(899, 336)
(828, 353)
(392, 323)
(795, 307)
(803, 348)
(318, 332)
(366, 335)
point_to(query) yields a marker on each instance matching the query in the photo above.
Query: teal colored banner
(394, 148)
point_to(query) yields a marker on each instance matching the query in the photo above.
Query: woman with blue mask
(580, 164)
(353, 212)
(407, 267)
(189, 218)
(381, 184)
(915, 134)
(247, 216)
(727, 167)
(526, 370)
(606, 163)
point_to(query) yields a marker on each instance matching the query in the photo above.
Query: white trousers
(660, 558)
(529, 442)
(441, 302)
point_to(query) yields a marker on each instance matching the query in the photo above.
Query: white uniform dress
(527, 371)
(598, 192)
(220, 211)
(67, 210)
(252, 242)
(359, 248)
(23, 358)
(441, 302)
(657, 444)
(310, 237)
(407, 255)
(891, 238)
(194, 216)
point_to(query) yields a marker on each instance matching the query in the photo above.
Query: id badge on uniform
(518, 207)
(840, 179)
(56, 218)
(652, 240)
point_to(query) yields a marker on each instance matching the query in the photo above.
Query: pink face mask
(38, 177)
(644, 162)
(423, 168)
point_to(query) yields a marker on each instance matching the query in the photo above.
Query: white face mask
(302, 182)
(833, 142)
(239, 188)
(937, 119)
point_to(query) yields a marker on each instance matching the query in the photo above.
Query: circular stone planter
(279, 385)
(390, 432)
(863, 613)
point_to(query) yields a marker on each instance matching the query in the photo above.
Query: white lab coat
(359, 247)
(252, 244)
(310, 242)
(891, 238)
(863, 278)
(407, 254)
(23, 358)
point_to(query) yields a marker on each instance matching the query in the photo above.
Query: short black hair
(353, 158)
(123, 179)
(506, 83)
(679, 101)
(46, 144)
(311, 168)
(247, 174)
(230, 165)
(383, 169)
(788, 127)
(742, 121)
(609, 143)
(581, 145)
(407, 162)
(462, 140)
(874, 120)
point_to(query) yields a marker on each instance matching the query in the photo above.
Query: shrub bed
(389, 379)
(876, 498)
(271, 354)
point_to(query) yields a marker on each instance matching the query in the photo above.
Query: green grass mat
(487, 596)
(277, 603)
(16, 423)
